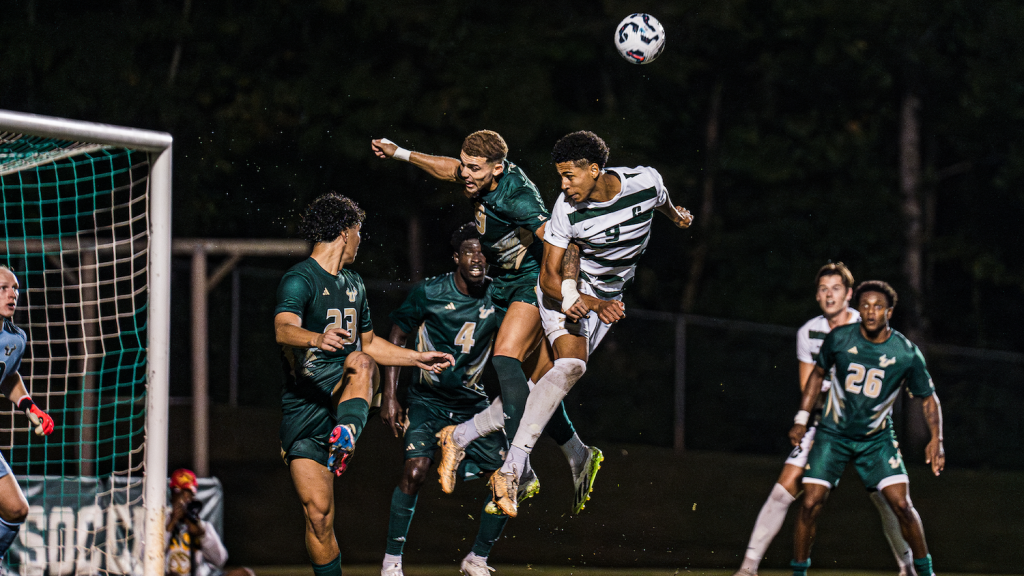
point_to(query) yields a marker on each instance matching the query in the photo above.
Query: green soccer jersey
(447, 320)
(869, 378)
(507, 218)
(323, 301)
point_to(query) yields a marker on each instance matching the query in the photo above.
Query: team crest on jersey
(485, 312)
(326, 293)
(852, 350)
(450, 306)
(883, 361)
(352, 293)
(9, 349)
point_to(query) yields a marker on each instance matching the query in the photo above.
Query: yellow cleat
(451, 457)
(529, 486)
(585, 481)
(504, 488)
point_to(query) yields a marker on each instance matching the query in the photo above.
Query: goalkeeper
(13, 505)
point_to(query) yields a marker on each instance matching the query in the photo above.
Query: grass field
(501, 570)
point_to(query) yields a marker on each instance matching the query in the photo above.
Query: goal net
(85, 227)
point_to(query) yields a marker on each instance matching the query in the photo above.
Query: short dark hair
(835, 269)
(486, 144)
(465, 232)
(875, 286)
(328, 216)
(582, 148)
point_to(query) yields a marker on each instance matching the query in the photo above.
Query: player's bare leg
(898, 496)
(314, 484)
(13, 511)
(814, 499)
(352, 397)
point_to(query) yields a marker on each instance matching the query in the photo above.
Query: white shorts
(798, 457)
(556, 324)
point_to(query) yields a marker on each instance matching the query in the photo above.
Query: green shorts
(306, 425)
(878, 460)
(484, 454)
(514, 288)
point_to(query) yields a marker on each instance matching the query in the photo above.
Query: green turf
(528, 570)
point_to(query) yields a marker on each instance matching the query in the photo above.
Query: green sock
(800, 568)
(491, 526)
(923, 566)
(560, 427)
(514, 391)
(332, 568)
(353, 411)
(403, 506)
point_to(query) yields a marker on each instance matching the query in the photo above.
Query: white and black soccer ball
(640, 38)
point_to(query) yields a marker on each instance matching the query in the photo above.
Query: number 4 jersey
(323, 301)
(447, 320)
(869, 378)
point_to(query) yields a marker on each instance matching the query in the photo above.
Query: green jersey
(447, 320)
(507, 218)
(323, 301)
(869, 378)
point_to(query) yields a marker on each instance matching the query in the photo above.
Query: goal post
(87, 218)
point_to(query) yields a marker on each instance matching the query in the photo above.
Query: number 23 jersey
(869, 378)
(322, 301)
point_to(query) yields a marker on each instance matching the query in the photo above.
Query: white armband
(802, 417)
(569, 294)
(401, 153)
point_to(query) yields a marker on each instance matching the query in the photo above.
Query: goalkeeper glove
(41, 420)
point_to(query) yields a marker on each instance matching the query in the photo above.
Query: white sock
(487, 421)
(576, 453)
(891, 529)
(472, 555)
(390, 560)
(515, 461)
(769, 522)
(541, 404)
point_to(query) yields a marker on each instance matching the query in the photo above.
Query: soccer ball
(640, 38)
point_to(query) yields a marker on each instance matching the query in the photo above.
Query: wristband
(569, 294)
(26, 403)
(400, 153)
(802, 417)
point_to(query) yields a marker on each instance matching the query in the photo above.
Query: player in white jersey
(834, 288)
(607, 213)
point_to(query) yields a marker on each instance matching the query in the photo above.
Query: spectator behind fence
(191, 545)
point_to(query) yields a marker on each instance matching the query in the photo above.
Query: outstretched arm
(679, 216)
(440, 167)
(934, 453)
(387, 354)
(390, 410)
(807, 402)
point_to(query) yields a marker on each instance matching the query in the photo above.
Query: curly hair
(486, 144)
(875, 286)
(835, 269)
(465, 232)
(582, 148)
(328, 216)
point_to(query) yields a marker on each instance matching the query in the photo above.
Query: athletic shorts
(307, 422)
(556, 323)
(423, 421)
(798, 457)
(514, 288)
(5, 469)
(878, 460)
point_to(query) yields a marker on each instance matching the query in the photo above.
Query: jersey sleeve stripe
(624, 202)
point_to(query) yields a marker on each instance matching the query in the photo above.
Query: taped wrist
(569, 294)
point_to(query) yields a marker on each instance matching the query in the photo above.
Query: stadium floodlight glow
(86, 226)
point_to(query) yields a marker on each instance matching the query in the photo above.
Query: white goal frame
(159, 144)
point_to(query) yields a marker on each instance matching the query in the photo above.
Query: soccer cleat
(394, 569)
(745, 572)
(451, 457)
(529, 486)
(343, 444)
(473, 565)
(504, 488)
(585, 481)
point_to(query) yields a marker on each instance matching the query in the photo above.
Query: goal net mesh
(75, 231)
